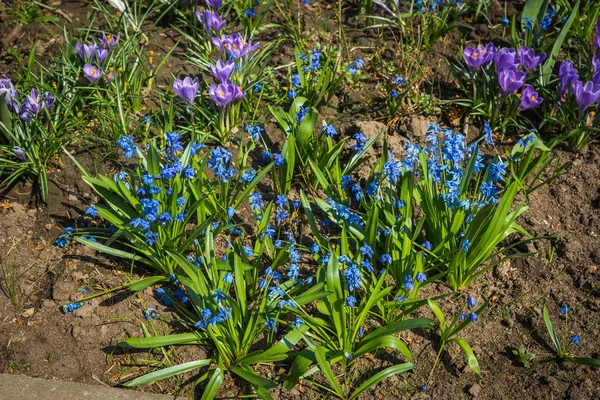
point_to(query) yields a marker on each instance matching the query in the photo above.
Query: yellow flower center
(533, 98)
(475, 55)
(222, 93)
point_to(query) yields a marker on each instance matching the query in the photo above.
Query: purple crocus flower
(235, 45)
(33, 104)
(568, 75)
(92, 73)
(186, 89)
(214, 4)
(528, 59)
(48, 99)
(85, 51)
(101, 54)
(586, 95)
(529, 99)
(10, 94)
(225, 93)
(109, 41)
(222, 71)
(211, 20)
(479, 56)
(598, 34)
(510, 81)
(20, 153)
(506, 59)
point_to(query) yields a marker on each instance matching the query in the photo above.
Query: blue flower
(219, 296)
(140, 223)
(366, 250)
(248, 176)
(488, 134)
(497, 171)
(151, 238)
(361, 141)
(291, 94)
(353, 277)
(62, 241)
(465, 246)
(181, 200)
(329, 131)
(471, 302)
(281, 201)
(256, 201)
(296, 324)
(296, 80)
(473, 317)
(254, 131)
(391, 168)
(564, 309)
(91, 210)
(575, 339)
(270, 324)
(230, 212)
(281, 215)
(293, 272)
(366, 264)
(228, 278)
(249, 12)
(302, 111)
(421, 277)
(489, 191)
(314, 248)
(351, 301)
(463, 316)
(393, 93)
(385, 259)
(504, 21)
(279, 159)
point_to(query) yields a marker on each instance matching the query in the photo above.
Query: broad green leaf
(142, 284)
(551, 332)
(167, 372)
(213, 385)
(161, 341)
(325, 368)
(473, 364)
(380, 376)
(247, 374)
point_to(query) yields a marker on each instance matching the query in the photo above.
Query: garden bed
(40, 340)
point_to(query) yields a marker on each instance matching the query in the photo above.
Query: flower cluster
(32, 105)
(511, 67)
(94, 56)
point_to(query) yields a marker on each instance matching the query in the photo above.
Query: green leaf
(5, 119)
(160, 341)
(473, 364)
(302, 361)
(113, 252)
(380, 376)
(142, 284)
(551, 60)
(213, 385)
(438, 314)
(167, 372)
(275, 352)
(247, 374)
(551, 332)
(326, 370)
(388, 341)
(535, 10)
(590, 362)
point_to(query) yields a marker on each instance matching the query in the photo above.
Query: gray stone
(21, 387)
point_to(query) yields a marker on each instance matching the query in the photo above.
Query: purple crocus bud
(109, 41)
(596, 78)
(20, 153)
(211, 20)
(506, 59)
(79, 49)
(479, 56)
(222, 71)
(186, 89)
(89, 50)
(225, 93)
(92, 73)
(528, 59)
(568, 75)
(596, 62)
(214, 4)
(586, 95)
(10, 94)
(33, 102)
(510, 81)
(529, 99)
(101, 54)
(48, 99)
